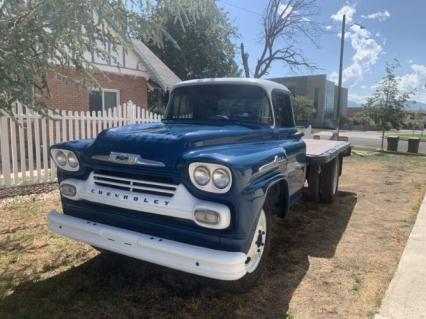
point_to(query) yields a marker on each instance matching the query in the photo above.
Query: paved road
(370, 139)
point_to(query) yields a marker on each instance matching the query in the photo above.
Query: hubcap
(257, 247)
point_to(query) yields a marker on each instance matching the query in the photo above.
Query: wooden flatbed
(324, 151)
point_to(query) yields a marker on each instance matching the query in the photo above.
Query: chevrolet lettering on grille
(129, 197)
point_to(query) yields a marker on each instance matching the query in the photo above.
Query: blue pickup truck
(197, 191)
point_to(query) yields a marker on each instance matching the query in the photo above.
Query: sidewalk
(406, 294)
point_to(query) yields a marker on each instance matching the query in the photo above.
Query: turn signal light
(68, 190)
(205, 216)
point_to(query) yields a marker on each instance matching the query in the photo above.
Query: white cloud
(334, 77)
(347, 9)
(380, 15)
(329, 27)
(415, 81)
(367, 52)
(357, 98)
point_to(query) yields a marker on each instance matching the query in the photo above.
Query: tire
(313, 192)
(329, 181)
(255, 263)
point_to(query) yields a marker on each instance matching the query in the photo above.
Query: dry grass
(327, 261)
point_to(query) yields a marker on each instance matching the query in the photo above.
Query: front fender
(255, 168)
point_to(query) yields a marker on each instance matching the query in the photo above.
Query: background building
(134, 75)
(323, 94)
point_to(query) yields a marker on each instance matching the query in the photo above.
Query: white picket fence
(25, 141)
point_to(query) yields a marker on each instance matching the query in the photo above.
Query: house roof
(160, 73)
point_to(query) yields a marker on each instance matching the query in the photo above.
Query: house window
(104, 99)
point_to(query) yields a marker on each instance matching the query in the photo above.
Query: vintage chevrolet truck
(197, 191)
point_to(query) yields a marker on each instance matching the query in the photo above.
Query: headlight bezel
(210, 186)
(67, 166)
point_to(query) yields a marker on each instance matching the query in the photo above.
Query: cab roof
(265, 84)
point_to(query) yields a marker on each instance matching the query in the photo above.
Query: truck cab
(195, 192)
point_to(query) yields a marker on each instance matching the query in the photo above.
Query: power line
(240, 8)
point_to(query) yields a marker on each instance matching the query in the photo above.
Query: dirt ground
(327, 261)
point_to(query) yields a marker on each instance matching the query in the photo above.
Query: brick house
(137, 73)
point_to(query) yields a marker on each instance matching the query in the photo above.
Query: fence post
(4, 149)
(13, 146)
(30, 120)
(131, 112)
(51, 124)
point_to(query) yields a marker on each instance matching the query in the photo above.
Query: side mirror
(297, 135)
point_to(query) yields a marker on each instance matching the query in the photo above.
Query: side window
(282, 109)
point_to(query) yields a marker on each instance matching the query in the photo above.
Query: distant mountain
(411, 106)
(354, 104)
(415, 106)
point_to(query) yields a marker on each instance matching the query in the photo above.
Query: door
(291, 141)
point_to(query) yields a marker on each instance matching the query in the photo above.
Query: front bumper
(216, 264)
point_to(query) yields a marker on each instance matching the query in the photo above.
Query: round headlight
(221, 178)
(60, 158)
(72, 160)
(202, 175)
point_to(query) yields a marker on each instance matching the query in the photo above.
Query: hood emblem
(128, 159)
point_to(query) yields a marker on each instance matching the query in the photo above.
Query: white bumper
(216, 264)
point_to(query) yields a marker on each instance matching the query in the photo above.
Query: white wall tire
(257, 253)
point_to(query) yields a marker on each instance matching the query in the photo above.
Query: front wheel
(257, 253)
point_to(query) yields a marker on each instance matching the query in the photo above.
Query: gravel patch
(23, 190)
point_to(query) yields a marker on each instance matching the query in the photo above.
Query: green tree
(201, 48)
(361, 118)
(42, 37)
(386, 106)
(419, 123)
(303, 108)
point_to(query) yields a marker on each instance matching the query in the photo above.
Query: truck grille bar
(135, 185)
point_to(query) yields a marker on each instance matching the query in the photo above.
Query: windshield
(217, 102)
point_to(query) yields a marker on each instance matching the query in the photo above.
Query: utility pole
(339, 92)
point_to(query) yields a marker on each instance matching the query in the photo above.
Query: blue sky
(393, 29)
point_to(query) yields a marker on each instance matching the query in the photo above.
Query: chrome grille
(134, 185)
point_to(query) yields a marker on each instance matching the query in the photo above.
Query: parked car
(196, 192)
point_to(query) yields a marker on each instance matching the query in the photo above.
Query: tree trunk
(383, 138)
(244, 57)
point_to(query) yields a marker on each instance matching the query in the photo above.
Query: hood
(166, 142)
